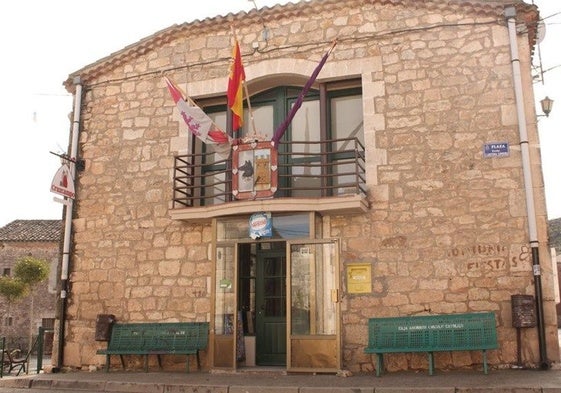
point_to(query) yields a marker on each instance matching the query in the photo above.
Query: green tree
(31, 271)
(12, 289)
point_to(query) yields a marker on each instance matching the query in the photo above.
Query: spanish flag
(235, 88)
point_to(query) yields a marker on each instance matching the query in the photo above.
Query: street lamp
(547, 104)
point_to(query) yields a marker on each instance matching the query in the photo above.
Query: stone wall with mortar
(447, 229)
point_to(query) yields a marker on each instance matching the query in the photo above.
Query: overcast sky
(44, 41)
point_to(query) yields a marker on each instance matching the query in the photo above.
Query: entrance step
(267, 370)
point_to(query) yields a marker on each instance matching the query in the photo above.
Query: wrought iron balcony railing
(323, 169)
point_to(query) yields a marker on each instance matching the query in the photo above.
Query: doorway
(262, 300)
(271, 308)
(276, 301)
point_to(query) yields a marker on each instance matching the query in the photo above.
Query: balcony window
(320, 155)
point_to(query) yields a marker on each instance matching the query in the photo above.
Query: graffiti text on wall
(492, 256)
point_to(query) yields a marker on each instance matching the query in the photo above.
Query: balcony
(327, 177)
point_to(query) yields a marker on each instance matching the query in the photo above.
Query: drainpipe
(510, 14)
(68, 222)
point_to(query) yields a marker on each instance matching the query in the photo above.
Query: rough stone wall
(446, 231)
(44, 295)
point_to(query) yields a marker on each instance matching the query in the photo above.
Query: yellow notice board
(359, 278)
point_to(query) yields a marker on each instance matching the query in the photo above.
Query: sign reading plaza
(496, 149)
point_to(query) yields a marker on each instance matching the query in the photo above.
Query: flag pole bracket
(79, 163)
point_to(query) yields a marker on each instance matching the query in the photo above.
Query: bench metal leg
(380, 364)
(122, 362)
(107, 362)
(159, 361)
(431, 363)
(485, 369)
(146, 362)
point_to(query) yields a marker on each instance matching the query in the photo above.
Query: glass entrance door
(313, 319)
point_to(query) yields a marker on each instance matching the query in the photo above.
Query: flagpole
(281, 129)
(249, 108)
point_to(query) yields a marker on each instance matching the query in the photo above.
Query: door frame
(315, 340)
(228, 343)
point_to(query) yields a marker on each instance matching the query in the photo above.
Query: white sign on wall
(62, 183)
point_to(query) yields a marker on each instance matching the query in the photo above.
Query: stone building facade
(441, 225)
(40, 239)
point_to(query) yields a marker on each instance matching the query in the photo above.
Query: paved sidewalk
(502, 381)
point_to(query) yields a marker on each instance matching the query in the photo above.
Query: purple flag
(279, 132)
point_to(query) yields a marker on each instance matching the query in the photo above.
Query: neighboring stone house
(40, 239)
(398, 190)
(554, 226)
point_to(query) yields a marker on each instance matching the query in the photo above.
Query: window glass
(262, 119)
(219, 118)
(346, 122)
(306, 128)
(225, 301)
(305, 134)
(313, 279)
(346, 117)
(313, 162)
(48, 323)
(212, 166)
(289, 226)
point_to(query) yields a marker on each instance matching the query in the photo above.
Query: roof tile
(31, 231)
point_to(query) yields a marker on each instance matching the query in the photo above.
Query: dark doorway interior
(262, 299)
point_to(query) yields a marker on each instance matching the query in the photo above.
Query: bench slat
(432, 333)
(173, 338)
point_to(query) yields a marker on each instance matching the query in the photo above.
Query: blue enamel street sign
(496, 149)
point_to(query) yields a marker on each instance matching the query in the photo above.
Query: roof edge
(526, 13)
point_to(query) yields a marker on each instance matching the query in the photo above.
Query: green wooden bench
(431, 333)
(170, 338)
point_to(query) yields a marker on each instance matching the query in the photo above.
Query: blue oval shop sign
(260, 225)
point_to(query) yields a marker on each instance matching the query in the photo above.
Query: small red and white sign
(62, 183)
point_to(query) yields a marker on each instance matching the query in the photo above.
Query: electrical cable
(298, 47)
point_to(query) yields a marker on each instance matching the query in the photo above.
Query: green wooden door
(271, 308)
